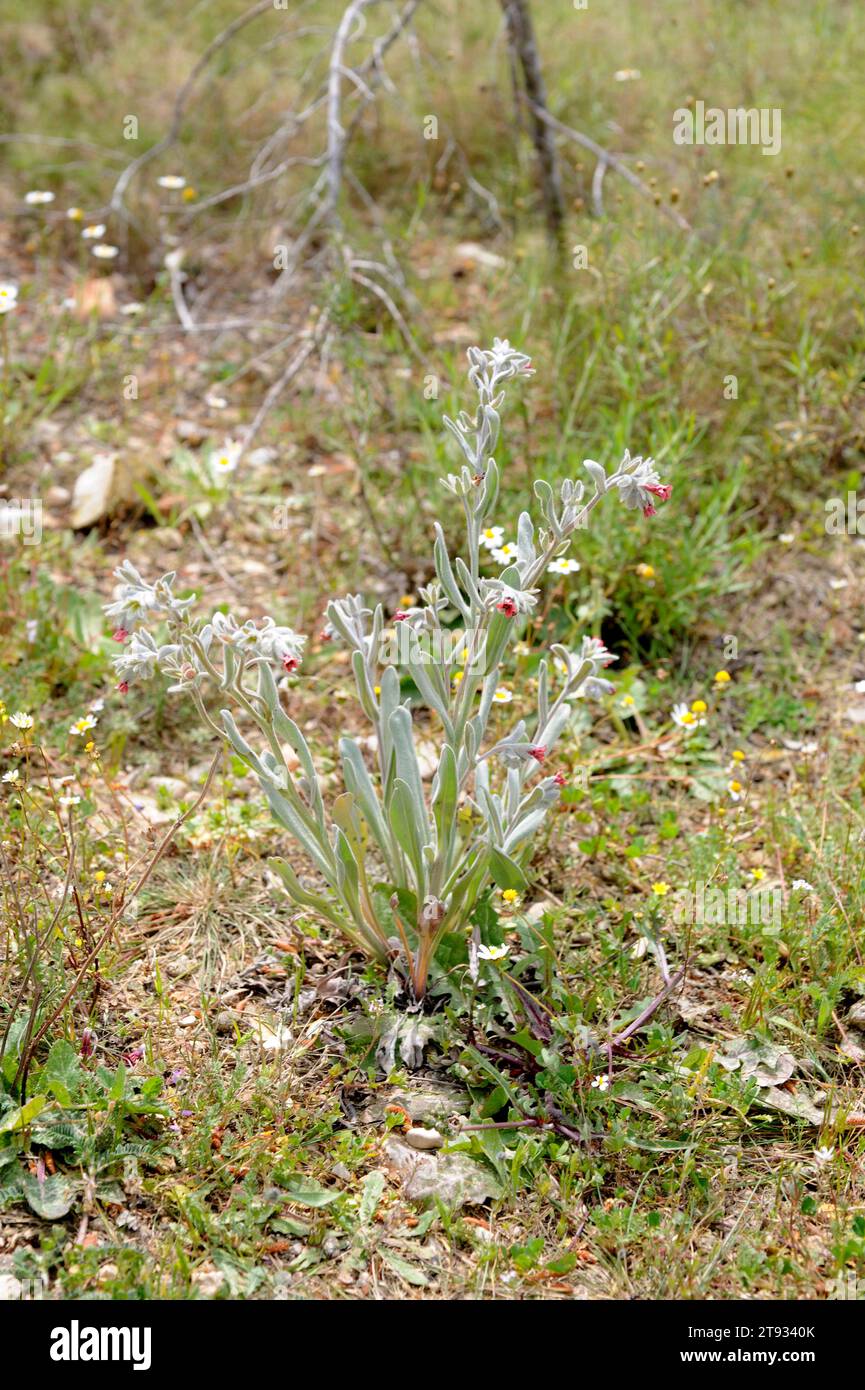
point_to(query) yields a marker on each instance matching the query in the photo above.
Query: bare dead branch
(116, 203)
(606, 158)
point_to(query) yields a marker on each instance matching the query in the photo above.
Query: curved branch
(116, 203)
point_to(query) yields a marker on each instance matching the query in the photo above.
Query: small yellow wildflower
(407, 601)
(376, 690)
(660, 889)
(457, 677)
(737, 755)
(646, 571)
(189, 195)
(510, 895)
(628, 700)
(699, 707)
(758, 874)
(100, 876)
(722, 677)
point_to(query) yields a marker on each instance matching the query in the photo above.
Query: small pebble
(420, 1138)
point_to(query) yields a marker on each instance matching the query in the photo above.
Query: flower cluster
(187, 658)
(638, 484)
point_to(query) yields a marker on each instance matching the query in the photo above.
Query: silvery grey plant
(436, 852)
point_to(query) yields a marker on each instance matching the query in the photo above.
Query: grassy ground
(224, 1128)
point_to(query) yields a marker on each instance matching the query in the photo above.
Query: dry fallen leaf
(95, 298)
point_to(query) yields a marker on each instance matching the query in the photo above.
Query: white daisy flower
(21, 720)
(491, 537)
(8, 298)
(563, 566)
(685, 718)
(801, 885)
(627, 75)
(83, 725)
(171, 181)
(225, 460)
(95, 232)
(600, 1083)
(106, 253)
(505, 554)
(502, 696)
(11, 776)
(67, 801)
(824, 1154)
(492, 952)
(38, 196)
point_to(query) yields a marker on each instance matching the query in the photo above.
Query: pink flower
(649, 510)
(508, 607)
(290, 663)
(400, 617)
(88, 1042)
(539, 752)
(559, 779)
(662, 490)
(120, 634)
(123, 687)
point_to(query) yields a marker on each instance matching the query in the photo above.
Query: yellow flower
(100, 876)
(457, 677)
(758, 874)
(407, 601)
(627, 700)
(376, 690)
(660, 889)
(699, 707)
(738, 756)
(189, 195)
(646, 571)
(722, 677)
(511, 895)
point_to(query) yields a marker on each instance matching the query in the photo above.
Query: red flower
(290, 663)
(120, 635)
(400, 617)
(538, 753)
(123, 687)
(650, 510)
(559, 779)
(508, 607)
